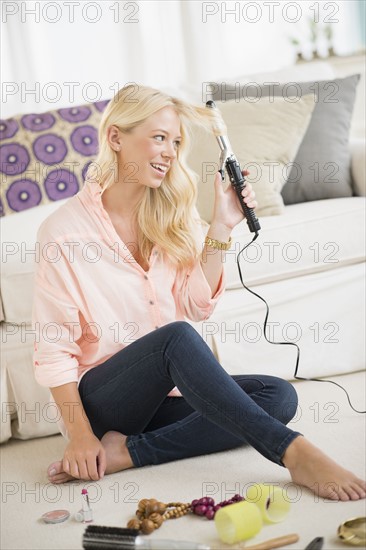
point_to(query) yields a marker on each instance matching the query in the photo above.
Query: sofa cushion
(307, 238)
(18, 236)
(265, 136)
(321, 168)
(26, 411)
(324, 313)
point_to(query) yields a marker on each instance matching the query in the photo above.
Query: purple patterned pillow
(44, 157)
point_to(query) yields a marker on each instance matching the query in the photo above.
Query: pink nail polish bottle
(87, 511)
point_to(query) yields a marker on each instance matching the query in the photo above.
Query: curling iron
(230, 162)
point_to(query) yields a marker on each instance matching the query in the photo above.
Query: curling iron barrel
(232, 166)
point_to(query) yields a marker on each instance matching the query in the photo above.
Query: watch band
(213, 243)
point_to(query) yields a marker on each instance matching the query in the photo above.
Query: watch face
(56, 516)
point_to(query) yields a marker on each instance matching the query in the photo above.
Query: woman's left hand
(227, 209)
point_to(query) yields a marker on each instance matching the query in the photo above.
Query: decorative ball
(134, 524)
(142, 504)
(161, 507)
(151, 507)
(200, 510)
(147, 526)
(157, 519)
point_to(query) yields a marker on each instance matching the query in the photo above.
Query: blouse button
(146, 277)
(151, 302)
(156, 327)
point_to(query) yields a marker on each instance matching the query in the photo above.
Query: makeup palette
(56, 516)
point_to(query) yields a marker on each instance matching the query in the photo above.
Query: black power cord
(286, 343)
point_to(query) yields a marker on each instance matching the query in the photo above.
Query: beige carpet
(324, 417)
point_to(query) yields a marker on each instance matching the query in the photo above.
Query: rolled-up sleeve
(193, 293)
(56, 324)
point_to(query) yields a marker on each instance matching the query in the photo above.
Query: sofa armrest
(357, 148)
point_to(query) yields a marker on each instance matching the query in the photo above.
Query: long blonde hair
(166, 216)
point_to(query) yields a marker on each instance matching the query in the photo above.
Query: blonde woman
(134, 382)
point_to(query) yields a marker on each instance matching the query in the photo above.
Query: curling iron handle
(238, 182)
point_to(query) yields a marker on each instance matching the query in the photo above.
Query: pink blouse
(91, 298)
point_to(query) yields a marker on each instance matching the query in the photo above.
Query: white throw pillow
(265, 135)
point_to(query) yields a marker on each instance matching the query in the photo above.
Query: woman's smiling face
(148, 151)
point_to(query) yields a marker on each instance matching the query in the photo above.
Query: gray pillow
(322, 166)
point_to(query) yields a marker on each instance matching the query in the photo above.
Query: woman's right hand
(85, 457)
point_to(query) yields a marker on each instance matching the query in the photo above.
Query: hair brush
(99, 537)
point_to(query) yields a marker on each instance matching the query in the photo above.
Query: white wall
(171, 44)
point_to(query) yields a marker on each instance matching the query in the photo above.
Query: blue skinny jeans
(128, 394)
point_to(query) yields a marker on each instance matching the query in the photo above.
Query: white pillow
(265, 135)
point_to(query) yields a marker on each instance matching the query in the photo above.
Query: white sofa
(307, 263)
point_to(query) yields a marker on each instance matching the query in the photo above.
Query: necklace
(151, 513)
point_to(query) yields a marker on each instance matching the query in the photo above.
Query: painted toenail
(52, 472)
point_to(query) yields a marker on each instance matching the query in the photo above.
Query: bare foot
(310, 467)
(56, 473)
(117, 456)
